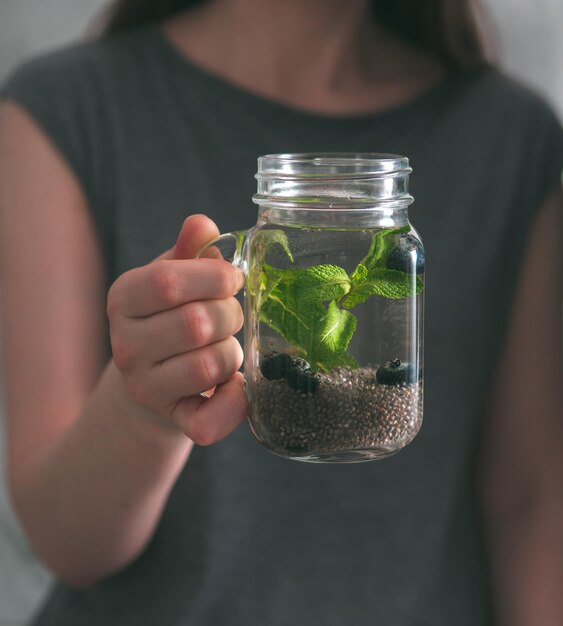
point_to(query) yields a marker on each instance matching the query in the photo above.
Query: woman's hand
(172, 324)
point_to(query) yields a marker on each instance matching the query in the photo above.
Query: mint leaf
(259, 283)
(292, 301)
(318, 283)
(322, 335)
(295, 323)
(381, 245)
(340, 359)
(264, 240)
(332, 335)
(359, 274)
(372, 278)
(383, 282)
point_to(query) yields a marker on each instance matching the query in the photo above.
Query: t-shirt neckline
(225, 88)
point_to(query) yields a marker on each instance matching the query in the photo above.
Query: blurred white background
(529, 44)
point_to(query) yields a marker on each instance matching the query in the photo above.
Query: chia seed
(350, 414)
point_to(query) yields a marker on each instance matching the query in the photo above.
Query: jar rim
(333, 165)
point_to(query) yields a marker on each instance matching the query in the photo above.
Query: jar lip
(331, 165)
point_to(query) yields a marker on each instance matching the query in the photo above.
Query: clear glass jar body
(333, 308)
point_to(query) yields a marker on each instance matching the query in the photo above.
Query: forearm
(90, 500)
(526, 548)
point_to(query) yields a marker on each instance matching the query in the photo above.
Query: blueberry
(275, 366)
(397, 373)
(296, 371)
(303, 382)
(401, 256)
(300, 378)
(299, 365)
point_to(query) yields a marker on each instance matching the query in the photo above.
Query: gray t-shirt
(247, 538)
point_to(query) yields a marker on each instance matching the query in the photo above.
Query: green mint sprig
(309, 307)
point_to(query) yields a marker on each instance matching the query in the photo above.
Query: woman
(104, 148)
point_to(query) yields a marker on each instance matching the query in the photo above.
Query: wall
(529, 42)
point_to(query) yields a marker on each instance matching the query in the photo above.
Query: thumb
(196, 232)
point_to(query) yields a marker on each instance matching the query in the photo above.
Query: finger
(207, 421)
(196, 232)
(212, 252)
(185, 328)
(167, 284)
(193, 372)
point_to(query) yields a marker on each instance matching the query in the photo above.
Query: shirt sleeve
(543, 150)
(58, 91)
(43, 88)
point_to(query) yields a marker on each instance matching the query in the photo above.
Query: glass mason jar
(333, 307)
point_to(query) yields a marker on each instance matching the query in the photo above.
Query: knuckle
(197, 324)
(210, 367)
(201, 434)
(116, 297)
(237, 315)
(166, 284)
(226, 279)
(123, 353)
(113, 301)
(236, 355)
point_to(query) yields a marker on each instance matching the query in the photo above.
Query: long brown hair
(448, 28)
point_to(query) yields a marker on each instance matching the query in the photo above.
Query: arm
(91, 460)
(522, 472)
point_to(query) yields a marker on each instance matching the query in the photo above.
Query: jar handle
(229, 247)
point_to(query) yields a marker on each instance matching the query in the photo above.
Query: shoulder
(75, 69)
(501, 123)
(76, 96)
(495, 96)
